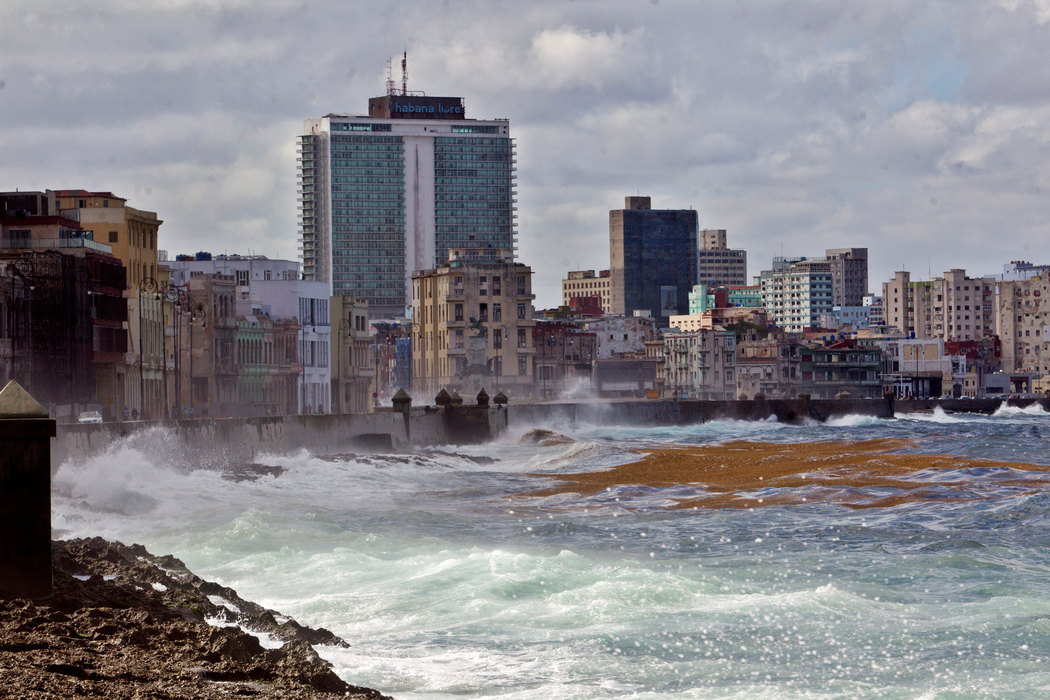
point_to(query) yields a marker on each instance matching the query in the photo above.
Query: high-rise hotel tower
(389, 193)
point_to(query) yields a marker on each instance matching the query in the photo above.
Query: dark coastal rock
(251, 472)
(123, 623)
(545, 438)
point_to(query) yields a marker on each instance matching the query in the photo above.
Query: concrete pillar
(25, 495)
(403, 404)
(887, 397)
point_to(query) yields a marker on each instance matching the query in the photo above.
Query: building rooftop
(85, 193)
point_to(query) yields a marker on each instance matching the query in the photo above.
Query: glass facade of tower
(368, 217)
(382, 196)
(473, 193)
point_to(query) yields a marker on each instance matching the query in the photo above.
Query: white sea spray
(448, 584)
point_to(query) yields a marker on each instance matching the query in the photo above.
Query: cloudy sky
(920, 130)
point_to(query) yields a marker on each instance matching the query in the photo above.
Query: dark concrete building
(653, 259)
(849, 275)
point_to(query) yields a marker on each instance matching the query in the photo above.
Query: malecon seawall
(224, 441)
(239, 440)
(648, 412)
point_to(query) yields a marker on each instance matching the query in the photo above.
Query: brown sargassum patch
(848, 473)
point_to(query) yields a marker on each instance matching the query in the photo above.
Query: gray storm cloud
(916, 129)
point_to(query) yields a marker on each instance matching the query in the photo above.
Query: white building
(273, 288)
(391, 192)
(796, 292)
(619, 336)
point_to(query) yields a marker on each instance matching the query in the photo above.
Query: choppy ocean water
(451, 581)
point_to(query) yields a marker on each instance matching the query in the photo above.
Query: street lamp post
(414, 331)
(149, 286)
(180, 302)
(196, 315)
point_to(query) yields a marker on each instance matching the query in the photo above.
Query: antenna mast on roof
(391, 86)
(404, 73)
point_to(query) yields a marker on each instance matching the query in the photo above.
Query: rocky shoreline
(123, 623)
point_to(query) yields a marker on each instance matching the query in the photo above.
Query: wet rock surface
(124, 623)
(545, 438)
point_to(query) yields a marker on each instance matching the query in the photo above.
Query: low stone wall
(985, 406)
(643, 412)
(238, 440)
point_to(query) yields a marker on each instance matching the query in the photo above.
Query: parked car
(89, 417)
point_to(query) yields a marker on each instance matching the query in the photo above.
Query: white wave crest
(852, 420)
(938, 416)
(1034, 409)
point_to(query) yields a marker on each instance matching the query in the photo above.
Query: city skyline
(795, 128)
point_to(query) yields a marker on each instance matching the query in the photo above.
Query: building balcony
(55, 243)
(846, 383)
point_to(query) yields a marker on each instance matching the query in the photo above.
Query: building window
(497, 313)
(521, 312)
(267, 275)
(113, 236)
(458, 312)
(522, 338)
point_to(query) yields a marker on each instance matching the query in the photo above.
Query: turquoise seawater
(449, 584)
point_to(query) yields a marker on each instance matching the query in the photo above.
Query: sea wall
(985, 406)
(223, 441)
(238, 440)
(647, 412)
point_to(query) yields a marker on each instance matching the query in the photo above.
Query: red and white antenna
(404, 73)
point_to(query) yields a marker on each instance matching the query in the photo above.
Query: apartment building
(273, 288)
(700, 364)
(828, 371)
(581, 284)
(768, 367)
(474, 322)
(717, 264)
(1024, 324)
(849, 275)
(620, 336)
(951, 307)
(796, 292)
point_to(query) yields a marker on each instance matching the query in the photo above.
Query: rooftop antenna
(404, 73)
(391, 86)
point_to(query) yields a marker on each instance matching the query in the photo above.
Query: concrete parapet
(25, 495)
(649, 412)
(221, 441)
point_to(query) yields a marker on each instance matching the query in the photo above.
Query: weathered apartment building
(951, 307)
(474, 325)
